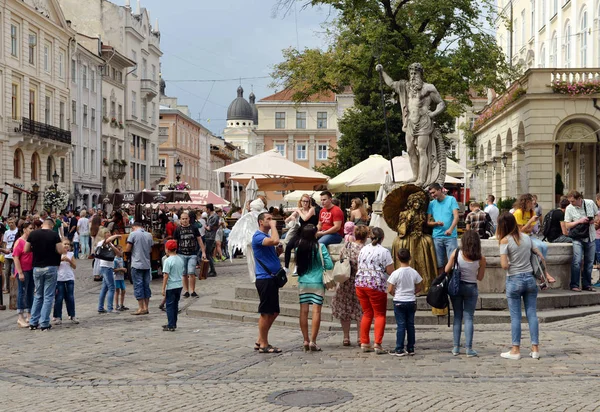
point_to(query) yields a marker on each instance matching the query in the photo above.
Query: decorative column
(311, 151)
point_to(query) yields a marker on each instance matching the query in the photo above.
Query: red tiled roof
(286, 96)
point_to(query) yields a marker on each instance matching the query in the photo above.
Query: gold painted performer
(411, 236)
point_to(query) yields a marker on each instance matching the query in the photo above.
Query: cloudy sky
(206, 40)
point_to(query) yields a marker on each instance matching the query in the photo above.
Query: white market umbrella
(295, 196)
(272, 171)
(251, 190)
(340, 182)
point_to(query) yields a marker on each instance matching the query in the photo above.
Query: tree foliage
(444, 35)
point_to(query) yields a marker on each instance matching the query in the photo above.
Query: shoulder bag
(454, 276)
(341, 269)
(582, 230)
(280, 277)
(104, 252)
(328, 279)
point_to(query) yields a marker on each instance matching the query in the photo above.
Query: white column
(311, 151)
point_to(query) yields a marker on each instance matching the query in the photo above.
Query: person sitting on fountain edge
(331, 221)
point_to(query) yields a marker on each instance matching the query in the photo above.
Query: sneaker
(411, 352)
(596, 285)
(74, 320)
(56, 321)
(211, 275)
(33, 327)
(45, 328)
(508, 355)
(194, 295)
(534, 355)
(118, 308)
(186, 295)
(101, 310)
(455, 351)
(471, 353)
(398, 352)
(124, 307)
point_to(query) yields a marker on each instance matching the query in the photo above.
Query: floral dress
(345, 305)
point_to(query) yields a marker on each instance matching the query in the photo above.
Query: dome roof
(252, 98)
(239, 109)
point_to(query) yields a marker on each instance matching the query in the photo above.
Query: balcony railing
(43, 130)
(149, 87)
(158, 172)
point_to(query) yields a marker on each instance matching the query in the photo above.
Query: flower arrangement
(580, 88)
(113, 122)
(178, 186)
(121, 125)
(55, 199)
(497, 107)
(123, 162)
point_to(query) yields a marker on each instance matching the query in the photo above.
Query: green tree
(444, 35)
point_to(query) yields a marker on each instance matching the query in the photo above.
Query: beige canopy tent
(294, 197)
(367, 175)
(272, 171)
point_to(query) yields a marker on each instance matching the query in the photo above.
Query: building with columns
(35, 140)
(86, 125)
(129, 31)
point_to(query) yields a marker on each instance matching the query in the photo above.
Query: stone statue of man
(427, 156)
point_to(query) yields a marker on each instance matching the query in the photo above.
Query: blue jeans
(45, 288)
(331, 239)
(443, 249)
(141, 283)
(25, 292)
(172, 306)
(189, 264)
(76, 250)
(582, 251)
(405, 322)
(108, 287)
(517, 286)
(598, 251)
(463, 306)
(64, 291)
(539, 245)
(84, 242)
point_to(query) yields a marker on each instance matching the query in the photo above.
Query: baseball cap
(171, 245)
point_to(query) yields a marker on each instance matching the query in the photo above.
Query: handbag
(104, 252)
(342, 269)
(454, 277)
(280, 277)
(539, 271)
(582, 230)
(328, 279)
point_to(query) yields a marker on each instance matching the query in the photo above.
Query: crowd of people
(373, 274)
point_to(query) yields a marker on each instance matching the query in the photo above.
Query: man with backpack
(479, 221)
(554, 227)
(212, 225)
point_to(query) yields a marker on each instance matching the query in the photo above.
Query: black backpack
(547, 224)
(486, 230)
(437, 296)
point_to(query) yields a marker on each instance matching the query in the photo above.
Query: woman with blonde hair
(358, 213)
(305, 214)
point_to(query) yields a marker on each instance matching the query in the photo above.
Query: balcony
(149, 88)
(158, 173)
(28, 132)
(163, 134)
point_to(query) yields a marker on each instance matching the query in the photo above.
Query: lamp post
(178, 170)
(504, 159)
(35, 189)
(484, 167)
(55, 177)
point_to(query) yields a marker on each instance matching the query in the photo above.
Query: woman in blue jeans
(515, 257)
(106, 270)
(471, 264)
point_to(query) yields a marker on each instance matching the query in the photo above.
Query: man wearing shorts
(442, 216)
(139, 244)
(188, 239)
(266, 265)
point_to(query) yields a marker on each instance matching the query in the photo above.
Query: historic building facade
(35, 140)
(129, 31)
(86, 125)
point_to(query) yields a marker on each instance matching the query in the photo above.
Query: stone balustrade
(558, 261)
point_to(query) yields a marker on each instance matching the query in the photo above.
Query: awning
(200, 198)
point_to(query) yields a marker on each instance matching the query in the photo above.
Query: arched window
(567, 45)
(553, 51)
(584, 38)
(18, 164)
(50, 168)
(542, 63)
(35, 166)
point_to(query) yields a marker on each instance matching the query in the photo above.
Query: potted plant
(105, 161)
(121, 125)
(113, 122)
(559, 188)
(124, 162)
(105, 119)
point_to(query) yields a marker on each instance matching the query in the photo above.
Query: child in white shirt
(65, 285)
(76, 245)
(403, 286)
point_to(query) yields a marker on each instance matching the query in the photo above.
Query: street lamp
(35, 189)
(484, 167)
(55, 178)
(178, 170)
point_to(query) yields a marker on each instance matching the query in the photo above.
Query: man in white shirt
(7, 243)
(492, 210)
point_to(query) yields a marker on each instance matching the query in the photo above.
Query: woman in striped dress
(312, 258)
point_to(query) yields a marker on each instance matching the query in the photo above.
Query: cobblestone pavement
(123, 362)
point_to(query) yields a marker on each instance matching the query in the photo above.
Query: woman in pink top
(24, 272)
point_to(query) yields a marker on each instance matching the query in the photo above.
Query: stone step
(550, 299)
(246, 307)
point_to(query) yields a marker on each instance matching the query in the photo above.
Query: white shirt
(76, 237)
(83, 226)
(65, 271)
(493, 212)
(9, 238)
(203, 228)
(405, 279)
